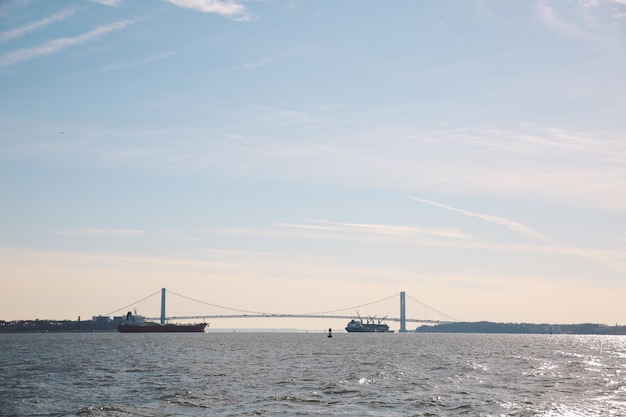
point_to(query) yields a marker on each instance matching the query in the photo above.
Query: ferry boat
(134, 323)
(370, 326)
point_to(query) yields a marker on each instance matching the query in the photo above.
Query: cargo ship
(370, 326)
(134, 323)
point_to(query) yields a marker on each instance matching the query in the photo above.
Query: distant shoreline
(523, 328)
(88, 326)
(55, 326)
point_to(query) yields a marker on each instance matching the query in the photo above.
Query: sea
(310, 374)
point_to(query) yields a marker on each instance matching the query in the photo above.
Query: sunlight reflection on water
(310, 374)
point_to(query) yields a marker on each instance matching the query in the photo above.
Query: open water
(308, 374)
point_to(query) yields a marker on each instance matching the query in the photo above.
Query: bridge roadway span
(403, 319)
(290, 316)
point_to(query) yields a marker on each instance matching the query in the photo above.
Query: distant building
(101, 320)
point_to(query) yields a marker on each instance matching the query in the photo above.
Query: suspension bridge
(400, 308)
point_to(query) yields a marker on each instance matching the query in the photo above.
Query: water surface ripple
(308, 374)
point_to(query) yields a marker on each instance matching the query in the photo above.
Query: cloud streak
(256, 64)
(57, 45)
(100, 232)
(611, 259)
(588, 20)
(550, 18)
(226, 8)
(510, 224)
(583, 167)
(111, 3)
(146, 60)
(33, 26)
(379, 229)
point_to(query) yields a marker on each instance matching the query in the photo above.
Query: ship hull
(166, 328)
(357, 326)
(368, 330)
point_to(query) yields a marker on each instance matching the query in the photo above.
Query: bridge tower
(162, 305)
(402, 312)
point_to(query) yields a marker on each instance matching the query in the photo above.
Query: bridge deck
(380, 310)
(291, 316)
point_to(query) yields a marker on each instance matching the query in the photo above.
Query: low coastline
(49, 326)
(523, 328)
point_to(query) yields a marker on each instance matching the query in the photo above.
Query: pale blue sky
(298, 156)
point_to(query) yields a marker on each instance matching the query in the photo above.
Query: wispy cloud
(100, 232)
(256, 64)
(238, 253)
(146, 60)
(226, 8)
(581, 167)
(7, 7)
(612, 259)
(510, 224)
(284, 116)
(550, 18)
(305, 226)
(57, 45)
(584, 19)
(111, 3)
(381, 229)
(33, 26)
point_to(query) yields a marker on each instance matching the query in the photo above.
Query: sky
(302, 156)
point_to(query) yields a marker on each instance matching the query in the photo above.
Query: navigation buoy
(330, 332)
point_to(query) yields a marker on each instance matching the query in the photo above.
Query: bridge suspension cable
(432, 310)
(132, 304)
(215, 305)
(356, 307)
(394, 308)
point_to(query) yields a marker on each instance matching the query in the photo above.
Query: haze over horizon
(293, 157)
